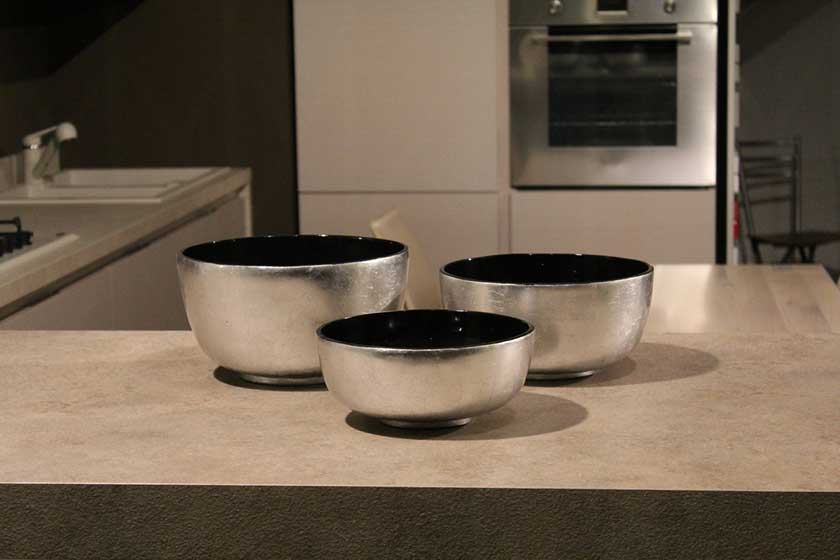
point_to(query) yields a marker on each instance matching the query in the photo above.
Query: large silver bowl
(254, 303)
(425, 368)
(589, 311)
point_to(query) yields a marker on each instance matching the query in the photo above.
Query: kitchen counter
(733, 434)
(754, 298)
(105, 232)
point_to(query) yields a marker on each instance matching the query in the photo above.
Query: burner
(11, 240)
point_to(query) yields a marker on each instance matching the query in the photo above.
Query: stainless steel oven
(613, 93)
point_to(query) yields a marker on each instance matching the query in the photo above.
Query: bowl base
(558, 375)
(313, 379)
(425, 425)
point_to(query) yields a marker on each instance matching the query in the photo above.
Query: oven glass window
(612, 93)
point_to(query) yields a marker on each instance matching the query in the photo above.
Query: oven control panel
(611, 12)
(619, 7)
(612, 6)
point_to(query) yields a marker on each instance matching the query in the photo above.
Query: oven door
(616, 106)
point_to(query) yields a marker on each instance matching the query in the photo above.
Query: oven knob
(670, 6)
(555, 7)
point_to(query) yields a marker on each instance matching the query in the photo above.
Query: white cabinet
(398, 106)
(449, 226)
(658, 226)
(86, 304)
(137, 291)
(404, 104)
(397, 95)
(145, 283)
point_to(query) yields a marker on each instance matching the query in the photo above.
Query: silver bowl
(425, 368)
(254, 303)
(589, 311)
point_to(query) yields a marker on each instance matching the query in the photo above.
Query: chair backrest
(770, 173)
(423, 290)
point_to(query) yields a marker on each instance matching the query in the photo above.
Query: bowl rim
(648, 270)
(402, 250)
(529, 331)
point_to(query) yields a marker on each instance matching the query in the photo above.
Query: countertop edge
(282, 522)
(39, 283)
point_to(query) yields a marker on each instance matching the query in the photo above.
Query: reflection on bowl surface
(588, 310)
(425, 368)
(254, 303)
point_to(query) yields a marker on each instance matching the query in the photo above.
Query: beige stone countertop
(753, 298)
(684, 412)
(105, 231)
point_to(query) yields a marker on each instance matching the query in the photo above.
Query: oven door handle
(678, 37)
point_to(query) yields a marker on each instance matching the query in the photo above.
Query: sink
(111, 186)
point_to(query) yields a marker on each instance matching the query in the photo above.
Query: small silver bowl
(425, 368)
(254, 303)
(589, 311)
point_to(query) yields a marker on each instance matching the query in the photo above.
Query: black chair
(770, 173)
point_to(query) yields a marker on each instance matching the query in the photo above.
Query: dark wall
(21, 111)
(37, 38)
(789, 86)
(23, 73)
(192, 82)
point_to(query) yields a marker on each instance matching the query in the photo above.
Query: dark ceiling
(38, 36)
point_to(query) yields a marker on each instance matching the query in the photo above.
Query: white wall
(791, 85)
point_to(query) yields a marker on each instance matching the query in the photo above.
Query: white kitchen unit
(86, 304)
(398, 106)
(396, 95)
(658, 226)
(406, 105)
(138, 291)
(453, 226)
(112, 186)
(118, 271)
(145, 283)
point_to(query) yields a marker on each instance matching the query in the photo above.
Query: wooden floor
(744, 298)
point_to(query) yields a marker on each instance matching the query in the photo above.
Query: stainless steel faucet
(41, 152)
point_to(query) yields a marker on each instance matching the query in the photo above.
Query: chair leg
(788, 255)
(756, 251)
(803, 254)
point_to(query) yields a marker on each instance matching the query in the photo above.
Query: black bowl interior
(293, 250)
(546, 268)
(425, 329)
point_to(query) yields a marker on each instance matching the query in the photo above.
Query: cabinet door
(658, 226)
(137, 291)
(396, 95)
(83, 305)
(145, 283)
(449, 226)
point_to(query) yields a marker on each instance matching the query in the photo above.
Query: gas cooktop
(21, 248)
(13, 236)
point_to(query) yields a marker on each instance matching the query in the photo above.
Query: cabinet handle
(678, 37)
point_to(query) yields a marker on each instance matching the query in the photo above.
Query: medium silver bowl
(589, 311)
(254, 303)
(425, 368)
